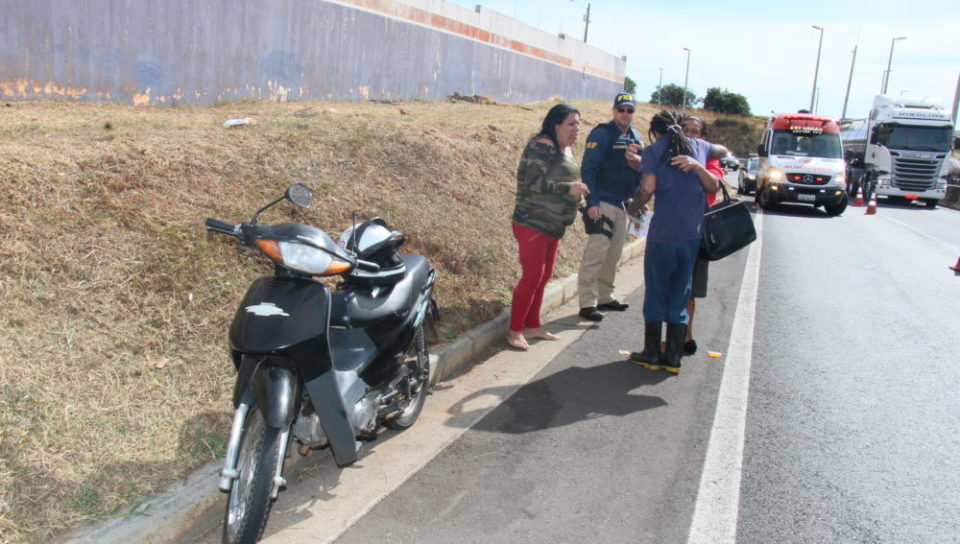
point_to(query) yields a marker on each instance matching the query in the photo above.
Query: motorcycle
(316, 366)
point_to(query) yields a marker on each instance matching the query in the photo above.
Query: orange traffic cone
(872, 206)
(956, 268)
(859, 200)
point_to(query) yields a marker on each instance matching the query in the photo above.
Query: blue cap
(624, 99)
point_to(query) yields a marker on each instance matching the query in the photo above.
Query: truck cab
(906, 147)
(801, 160)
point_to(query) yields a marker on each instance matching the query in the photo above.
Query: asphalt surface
(854, 421)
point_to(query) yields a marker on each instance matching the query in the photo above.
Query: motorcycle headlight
(303, 258)
(775, 174)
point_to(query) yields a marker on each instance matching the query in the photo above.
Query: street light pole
(846, 97)
(660, 88)
(816, 71)
(685, 79)
(886, 75)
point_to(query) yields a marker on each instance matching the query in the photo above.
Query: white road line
(718, 500)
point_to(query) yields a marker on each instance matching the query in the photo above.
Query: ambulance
(801, 160)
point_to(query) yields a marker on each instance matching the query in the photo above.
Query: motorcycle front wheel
(419, 380)
(249, 501)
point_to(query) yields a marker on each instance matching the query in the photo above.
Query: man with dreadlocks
(673, 171)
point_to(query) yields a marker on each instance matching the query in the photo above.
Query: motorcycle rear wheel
(420, 381)
(249, 501)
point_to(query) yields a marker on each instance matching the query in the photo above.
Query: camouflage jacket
(544, 177)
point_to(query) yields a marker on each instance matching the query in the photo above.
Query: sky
(767, 50)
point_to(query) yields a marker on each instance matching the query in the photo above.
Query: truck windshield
(915, 138)
(825, 145)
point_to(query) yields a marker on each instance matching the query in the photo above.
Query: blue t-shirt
(679, 197)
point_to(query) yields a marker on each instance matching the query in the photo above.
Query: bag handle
(726, 194)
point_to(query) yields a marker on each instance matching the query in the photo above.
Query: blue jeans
(668, 270)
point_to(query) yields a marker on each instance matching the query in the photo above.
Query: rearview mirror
(300, 194)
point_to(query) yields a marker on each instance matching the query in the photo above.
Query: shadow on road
(571, 395)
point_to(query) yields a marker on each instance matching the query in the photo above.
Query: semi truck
(801, 160)
(901, 151)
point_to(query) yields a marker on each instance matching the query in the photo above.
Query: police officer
(610, 168)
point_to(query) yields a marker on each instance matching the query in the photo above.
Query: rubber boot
(670, 361)
(650, 356)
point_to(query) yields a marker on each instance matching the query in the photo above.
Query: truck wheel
(931, 204)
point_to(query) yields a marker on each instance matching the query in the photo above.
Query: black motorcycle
(319, 366)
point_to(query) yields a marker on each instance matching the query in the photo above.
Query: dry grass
(114, 377)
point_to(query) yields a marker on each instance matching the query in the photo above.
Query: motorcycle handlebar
(222, 227)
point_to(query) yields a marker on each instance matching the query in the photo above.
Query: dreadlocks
(669, 124)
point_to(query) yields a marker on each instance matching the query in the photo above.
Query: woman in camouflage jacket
(548, 193)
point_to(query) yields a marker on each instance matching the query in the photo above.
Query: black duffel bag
(727, 228)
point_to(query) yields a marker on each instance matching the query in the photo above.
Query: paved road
(854, 420)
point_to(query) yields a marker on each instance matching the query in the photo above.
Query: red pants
(538, 254)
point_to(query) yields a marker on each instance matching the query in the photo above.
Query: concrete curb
(169, 515)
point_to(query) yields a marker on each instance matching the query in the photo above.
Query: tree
(629, 86)
(672, 95)
(723, 101)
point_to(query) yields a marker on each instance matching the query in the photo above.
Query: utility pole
(846, 97)
(586, 23)
(956, 100)
(685, 78)
(816, 71)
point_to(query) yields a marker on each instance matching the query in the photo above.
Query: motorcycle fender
(242, 392)
(275, 390)
(277, 313)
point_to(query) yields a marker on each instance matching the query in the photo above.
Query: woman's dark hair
(703, 126)
(557, 114)
(668, 124)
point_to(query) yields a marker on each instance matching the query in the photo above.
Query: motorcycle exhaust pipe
(230, 472)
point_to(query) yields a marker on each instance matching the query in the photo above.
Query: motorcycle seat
(358, 307)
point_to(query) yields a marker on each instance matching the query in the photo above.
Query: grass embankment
(114, 376)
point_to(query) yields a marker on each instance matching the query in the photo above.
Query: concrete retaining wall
(190, 52)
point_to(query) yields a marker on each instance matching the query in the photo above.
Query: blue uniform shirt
(679, 197)
(605, 169)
